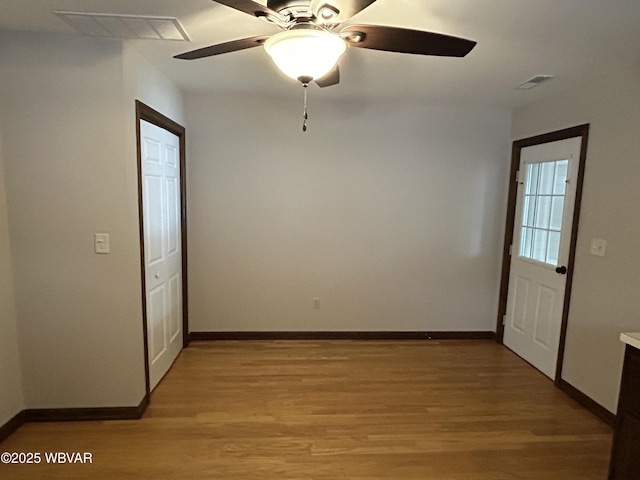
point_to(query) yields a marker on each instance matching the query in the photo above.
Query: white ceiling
(572, 39)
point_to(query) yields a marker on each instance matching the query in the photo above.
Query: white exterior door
(540, 251)
(160, 152)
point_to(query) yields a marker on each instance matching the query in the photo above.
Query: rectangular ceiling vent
(534, 82)
(125, 26)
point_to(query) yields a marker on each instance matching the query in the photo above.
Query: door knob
(157, 275)
(561, 270)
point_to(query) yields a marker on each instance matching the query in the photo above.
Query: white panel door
(540, 252)
(160, 152)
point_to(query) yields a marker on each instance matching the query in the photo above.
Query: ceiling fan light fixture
(305, 53)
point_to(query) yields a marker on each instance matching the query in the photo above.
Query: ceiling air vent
(125, 26)
(534, 82)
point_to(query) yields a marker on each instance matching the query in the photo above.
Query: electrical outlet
(598, 247)
(316, 304)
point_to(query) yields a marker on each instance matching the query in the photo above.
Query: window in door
(545, 187)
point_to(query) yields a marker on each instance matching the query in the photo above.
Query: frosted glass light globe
(305, 53)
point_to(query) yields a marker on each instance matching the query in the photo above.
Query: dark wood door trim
(144, 112)
(577, 131)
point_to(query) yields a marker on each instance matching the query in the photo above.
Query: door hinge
(510, 250)
(518, 176)
(504, 320)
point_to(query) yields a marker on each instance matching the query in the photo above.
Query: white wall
(144, 82)
(392, 215)
(11, 397)
(67, 176)
(606, 291)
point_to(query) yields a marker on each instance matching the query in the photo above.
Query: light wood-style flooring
(316, 410)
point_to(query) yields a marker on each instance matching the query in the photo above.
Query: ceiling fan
(309, 47)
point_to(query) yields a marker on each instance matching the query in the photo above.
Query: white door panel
(163, 249)
(153, 217)
(155, 325)
(541, 243)
(175, 318)
(173, 215)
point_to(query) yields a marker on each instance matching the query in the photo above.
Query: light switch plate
(598, 247)
(101, 243)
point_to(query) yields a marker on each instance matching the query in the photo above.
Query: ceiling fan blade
(393, 39)
(252, 8)
(342, 10)
(331, 78)
(227, 47)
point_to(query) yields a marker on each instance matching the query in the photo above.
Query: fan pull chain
(305, 115)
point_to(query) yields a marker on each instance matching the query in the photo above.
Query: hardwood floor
(336, 410)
